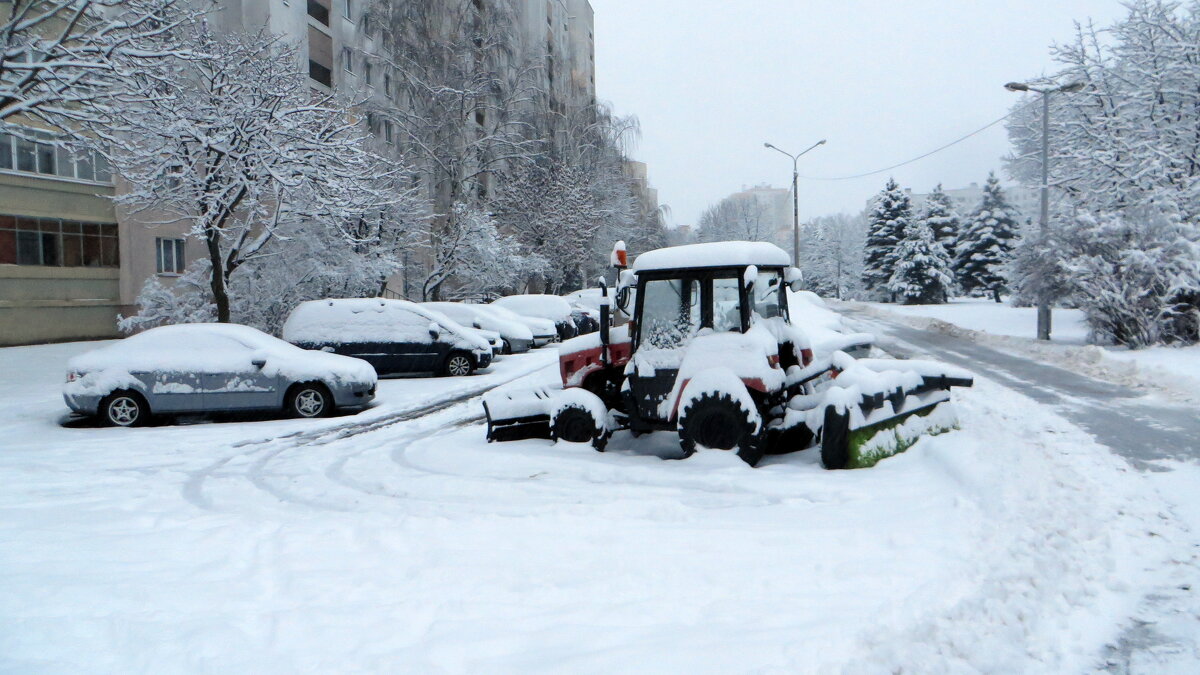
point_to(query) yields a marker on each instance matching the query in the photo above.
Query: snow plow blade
(519, 415)
(860, 429)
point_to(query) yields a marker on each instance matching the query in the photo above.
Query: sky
(882, 81)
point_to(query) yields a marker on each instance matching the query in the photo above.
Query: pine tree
(986, 243)
(922, 274)
(885, 228)
(939, 214)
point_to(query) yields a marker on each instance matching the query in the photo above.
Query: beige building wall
(53, 303)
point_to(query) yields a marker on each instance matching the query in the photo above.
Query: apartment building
(562, 33)
(70, 262)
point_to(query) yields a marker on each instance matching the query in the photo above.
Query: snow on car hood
(549, 307)
(208, 348)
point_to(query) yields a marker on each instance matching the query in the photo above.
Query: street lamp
(795, 197)
(1043, 310)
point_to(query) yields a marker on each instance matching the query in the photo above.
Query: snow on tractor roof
(713, 254)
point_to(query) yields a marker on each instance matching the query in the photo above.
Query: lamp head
(1016, 86)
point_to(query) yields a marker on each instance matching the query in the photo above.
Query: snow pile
(824, 327)
(549, 307)
(1173, 370)
(713, 254)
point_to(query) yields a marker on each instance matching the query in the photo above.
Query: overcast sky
(883, 81)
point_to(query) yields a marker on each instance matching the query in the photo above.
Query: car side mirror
(795, 278)
(435, 331)
(259, 363)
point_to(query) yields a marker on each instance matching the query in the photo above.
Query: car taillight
(806, 356)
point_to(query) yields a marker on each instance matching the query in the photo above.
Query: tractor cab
(694, 305)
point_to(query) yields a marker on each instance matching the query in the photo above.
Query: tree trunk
(996, 294)
(217, 276)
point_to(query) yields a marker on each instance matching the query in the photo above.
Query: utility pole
(795, 196)
(1043, 308)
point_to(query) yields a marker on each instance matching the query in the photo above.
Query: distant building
(776, 206)
(1026, 201)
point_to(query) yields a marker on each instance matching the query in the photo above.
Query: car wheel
(458, 364)
(506, 348)
(124, 409)
(309, 400)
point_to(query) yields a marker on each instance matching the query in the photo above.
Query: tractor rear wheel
(719, 422)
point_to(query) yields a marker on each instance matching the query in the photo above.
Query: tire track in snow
(264, 451)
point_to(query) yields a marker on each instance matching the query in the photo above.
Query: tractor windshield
(670, 313)
(768, 294)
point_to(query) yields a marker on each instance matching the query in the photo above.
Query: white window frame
(166, 247)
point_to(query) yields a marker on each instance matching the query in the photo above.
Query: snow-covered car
(541, 306)
(515, 336)
(191, 368)
(395, 336)
(543, 330)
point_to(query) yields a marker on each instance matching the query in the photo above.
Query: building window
(367, 73)
(387, 84)
(57, 243)
(346, 9)
(33, 151)
(320, 57)
(387, 132)
(319, 10)
(347, 59)
(170, 255)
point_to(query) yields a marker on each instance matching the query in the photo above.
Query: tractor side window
(727, 304)
(768, 289)
(670, 313)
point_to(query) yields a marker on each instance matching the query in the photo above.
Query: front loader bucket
(858, 434)
(518, 416)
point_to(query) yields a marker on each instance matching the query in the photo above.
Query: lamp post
(795, 197)
(1043, 309)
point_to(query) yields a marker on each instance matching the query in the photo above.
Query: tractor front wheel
(574, 424)
(720, 423)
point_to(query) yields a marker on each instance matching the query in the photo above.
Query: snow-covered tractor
(712, 351)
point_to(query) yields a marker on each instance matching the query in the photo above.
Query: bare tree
(60, 60)
(238, 147)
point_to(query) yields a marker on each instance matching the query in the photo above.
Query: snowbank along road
(1143, 429)
(1150, 431)
(399, 540)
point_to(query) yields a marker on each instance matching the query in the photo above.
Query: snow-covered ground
(1177, 370)
(998, 318)
(391, 541)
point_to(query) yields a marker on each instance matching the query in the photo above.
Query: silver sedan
(193, 368)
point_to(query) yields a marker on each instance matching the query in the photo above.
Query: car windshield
(768, 295)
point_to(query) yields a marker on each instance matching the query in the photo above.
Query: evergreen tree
(922, 274)
(986, 243)
(885, 228)
(939, 214)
